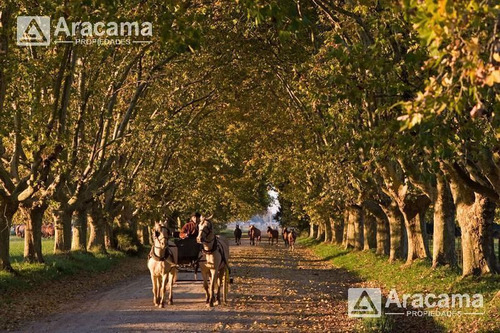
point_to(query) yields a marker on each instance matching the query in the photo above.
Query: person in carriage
(188, 247)
(190, 229)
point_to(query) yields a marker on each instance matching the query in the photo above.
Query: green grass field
(55, 266)
(419, 277)
(17, 248)
(226, 233)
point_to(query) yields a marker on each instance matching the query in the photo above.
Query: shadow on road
(274, 290)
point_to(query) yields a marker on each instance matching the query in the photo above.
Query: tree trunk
(370, 232)
(345, 228)
(134, 224)
(498, 250)
(337, 227)
(33, 232)
(5, 244)
(79, 241)
(414, 213)
(443, 249)
(381, 226)
(476, 222)
(475, 215)
(320, 233)
(143, 234)
(417, 239)
(328, 231)
(359, 222)
(383, 239)
(350, 235)
(97, 229)
(355, 228)
(8, 210)
(130, 221)
(311, 230)
(397, 248)
(62, 224)
(109, 238)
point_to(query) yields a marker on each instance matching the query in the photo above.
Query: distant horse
(162, 265)
(216, 269)
(237, 235)
(254, 235)
(20, 230)
(272, 235)
(48, 230)
(285, 236)
(292, 236)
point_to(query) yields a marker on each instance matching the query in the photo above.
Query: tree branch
(475, 186)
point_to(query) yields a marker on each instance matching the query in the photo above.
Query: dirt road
(274, 290)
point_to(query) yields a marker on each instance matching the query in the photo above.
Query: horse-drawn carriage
(208, 252)
(189, 254)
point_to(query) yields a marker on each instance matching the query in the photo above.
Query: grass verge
(55, 266)
(419, 278)
(40, 290)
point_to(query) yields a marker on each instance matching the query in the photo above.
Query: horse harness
(215, 247)
(205, 232)
(168, 252)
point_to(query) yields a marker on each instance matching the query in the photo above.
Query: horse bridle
(206, 231)
(166, 248)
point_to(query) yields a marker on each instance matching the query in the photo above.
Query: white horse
(216, 269)
(162, 265)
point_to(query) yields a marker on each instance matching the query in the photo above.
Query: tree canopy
(338, 105)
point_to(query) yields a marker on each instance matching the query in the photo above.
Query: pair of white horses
(162, 264)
